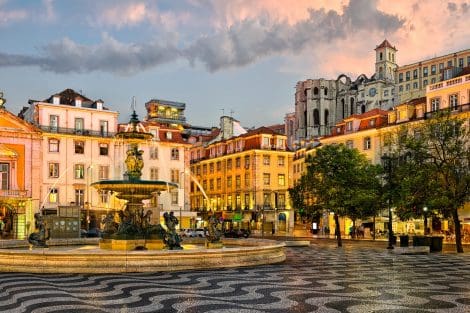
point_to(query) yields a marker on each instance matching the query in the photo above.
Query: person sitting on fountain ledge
(171, 239)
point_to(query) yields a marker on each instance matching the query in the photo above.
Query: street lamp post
(88, 203)
(387, 161)
(425, 213)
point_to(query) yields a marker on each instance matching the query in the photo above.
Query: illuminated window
(79, 147)
(54, 145)
(53, 170)
(103, 149)
(266, 179)
(175, 154)
(79, 170)
(367, 143)
(53, 195)
(281, 179)
(103, 172)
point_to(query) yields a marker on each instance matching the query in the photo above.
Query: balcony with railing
(14, 193)
(455, 110)
(75, 131)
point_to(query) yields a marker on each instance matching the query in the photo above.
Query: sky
(221, 57)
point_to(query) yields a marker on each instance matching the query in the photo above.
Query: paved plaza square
(319, 278)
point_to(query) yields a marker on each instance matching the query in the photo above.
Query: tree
(434, 168)
(342, 181)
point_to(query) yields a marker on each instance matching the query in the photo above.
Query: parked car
(198, 232)
(92, 233)
(237, 233)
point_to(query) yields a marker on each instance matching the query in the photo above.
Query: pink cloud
(11, 16)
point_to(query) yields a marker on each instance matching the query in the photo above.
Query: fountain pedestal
(131, 244)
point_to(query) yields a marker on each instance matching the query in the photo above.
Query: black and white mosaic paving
(319, 278)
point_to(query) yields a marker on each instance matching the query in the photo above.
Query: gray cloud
(242, 44)
(451, 6)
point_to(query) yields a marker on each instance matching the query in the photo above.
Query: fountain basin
(134, 190)
(92, 259)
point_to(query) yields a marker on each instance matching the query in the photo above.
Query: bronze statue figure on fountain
(171, 239)
(39, 237)
(214, 233)
(134, 163)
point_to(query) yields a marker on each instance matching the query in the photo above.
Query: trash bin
(394, 240)
(436, 244)
(404, 240)
(421, 241)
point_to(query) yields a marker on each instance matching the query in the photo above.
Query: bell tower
(385, 61)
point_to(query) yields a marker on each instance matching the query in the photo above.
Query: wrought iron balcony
(458, 109)
(78, 132)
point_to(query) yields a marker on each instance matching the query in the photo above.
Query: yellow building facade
(245, 181)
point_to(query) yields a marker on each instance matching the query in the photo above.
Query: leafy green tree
(433, 168)
(342, 181)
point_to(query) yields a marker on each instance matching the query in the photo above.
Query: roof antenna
(231, 113)
(133, 103)
(223, 111)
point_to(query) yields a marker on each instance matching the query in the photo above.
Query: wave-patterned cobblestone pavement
(312, 279)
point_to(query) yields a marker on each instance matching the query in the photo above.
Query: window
(407, 86)
(315, 91)
(372, 122)
(385, 92)
(4, 176)
(453, 101)
(229, 181)
(219, 166)
(79, 196)
(53, 145)
(468, 60)
(211, 184)
(349, 144)
(238, 162)
(211, 168)
(380, 56)
(79, 147)
(103, 149)
(266, 179)
(415, 85)
(433, 69)
(169, 135)
(425, 82)
(53, 122)
(229, 164)
(219, 183)
(247, 161)
(79, 170)
(204, 169)
(281, 179)
(154, 173)
(433, 80)
(104, 128)
(266, 160)
(104, 196)
(79, 123)
(175, 154)
(247, 180)
(326, 91)
(103, 172)
(316, 118)
(461, 62)
(174, 196)
(435, 104)
(266, 142)
(280, 160)
(441, 67)
(367, 143)
(400, 88)
(449, 63)
(238, 181)
(175, 176)
(400, 77)
(425, 71)
(349, 126)
(408, 76)
(153, 153)
(415, 74)
(53, 170)
(247, 201)
(53, 195)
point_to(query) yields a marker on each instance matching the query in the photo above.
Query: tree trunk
(458, 236)
(338, 231)
(373, 234)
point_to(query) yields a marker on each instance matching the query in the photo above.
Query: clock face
(372, 92)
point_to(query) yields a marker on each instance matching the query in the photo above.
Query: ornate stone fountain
(135, 230)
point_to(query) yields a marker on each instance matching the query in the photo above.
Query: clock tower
(385, 61)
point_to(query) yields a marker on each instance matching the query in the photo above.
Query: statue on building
(39, 237)
(171, 239)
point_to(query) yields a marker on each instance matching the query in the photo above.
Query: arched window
(352, 106)
(316, 117)
(305, 92)
(343, 107)
(315, 91)
(326, 91)
(380, 56)
(363, 108)
(326, 117)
